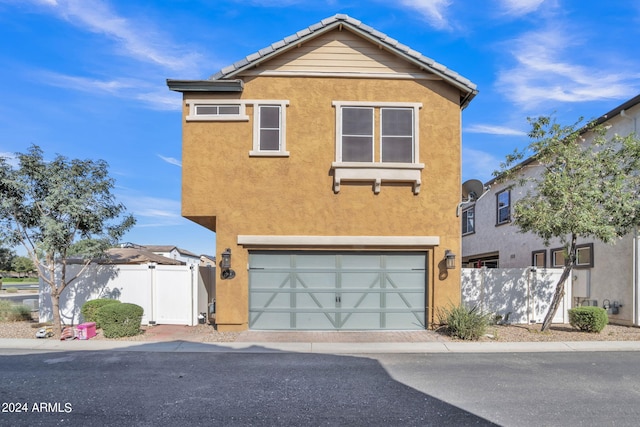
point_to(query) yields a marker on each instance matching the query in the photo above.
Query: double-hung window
(269, 130)
(377, 142)
(503, 207)
(468, 220)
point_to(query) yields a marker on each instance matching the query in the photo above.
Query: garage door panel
(363, 280)
(315, 321)
(315, 261)
(404, 300)
(360, 300)
(360, 261)
(362, 321)
(314, 280)
(313, 300)
(271, 300)
(262, 279)
(401, 320)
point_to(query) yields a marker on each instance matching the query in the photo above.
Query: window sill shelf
(377, 173)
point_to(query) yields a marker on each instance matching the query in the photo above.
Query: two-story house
(328, 164)
(605, 275)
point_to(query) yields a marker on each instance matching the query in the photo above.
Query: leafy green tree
(6, 257)
(22, 264)
(46, 206)
(586, 185)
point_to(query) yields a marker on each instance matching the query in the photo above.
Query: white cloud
(156, 97)
(433, 11)
(136, 40)
(171, 160)
(478, 164)
(520, 7)
(152, 211)
(542, 73)
(494, 130)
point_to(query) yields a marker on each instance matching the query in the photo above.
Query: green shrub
(10, 312)
(90, 309)
(120, 320)
(588, 319)
(465, 323)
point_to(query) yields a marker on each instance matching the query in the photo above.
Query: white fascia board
(334, 241)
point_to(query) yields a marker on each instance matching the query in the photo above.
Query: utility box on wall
(581, 283)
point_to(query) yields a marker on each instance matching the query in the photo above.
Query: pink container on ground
(86, 330)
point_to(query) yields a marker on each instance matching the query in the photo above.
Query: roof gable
(394, 58)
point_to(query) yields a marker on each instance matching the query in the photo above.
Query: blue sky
(86, 78)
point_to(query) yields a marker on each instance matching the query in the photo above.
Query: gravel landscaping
(498, 333)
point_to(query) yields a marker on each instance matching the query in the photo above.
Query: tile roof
(362, 29)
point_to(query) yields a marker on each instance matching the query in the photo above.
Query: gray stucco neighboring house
(606, 275)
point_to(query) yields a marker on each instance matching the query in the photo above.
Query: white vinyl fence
(524, 294)
(169, 294)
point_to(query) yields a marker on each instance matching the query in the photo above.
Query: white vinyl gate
(168, 294)
(522, 293)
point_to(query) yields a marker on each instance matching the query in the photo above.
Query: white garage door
(337, 290)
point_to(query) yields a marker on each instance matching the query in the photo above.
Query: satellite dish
(472, 189)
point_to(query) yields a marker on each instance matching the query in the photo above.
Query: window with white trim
(503, 207)
(394, 141)
(216, 110)
(377, 142)
(269, 132)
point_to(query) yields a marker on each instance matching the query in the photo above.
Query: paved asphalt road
(288, 389)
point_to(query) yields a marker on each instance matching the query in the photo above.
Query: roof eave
(205, 85)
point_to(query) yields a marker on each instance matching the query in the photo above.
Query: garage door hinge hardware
(338, 299)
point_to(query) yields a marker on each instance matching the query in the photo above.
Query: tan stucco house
(328, 163)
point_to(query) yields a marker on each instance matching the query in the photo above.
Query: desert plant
(90, 309)
(588, 319)
(10, 312)
(120, 320)
(465, 323)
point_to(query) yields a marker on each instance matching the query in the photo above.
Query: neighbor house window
(503, 207)
(269, 129)
(539, 259)
(468, 221)
(377, 141)
(557, 257)
(584, 255)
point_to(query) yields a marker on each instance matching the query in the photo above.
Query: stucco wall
(234, 194)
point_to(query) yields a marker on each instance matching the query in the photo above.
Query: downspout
(636, 280)
(194, 319)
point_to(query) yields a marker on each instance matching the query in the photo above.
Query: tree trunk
(55, 312)
(559, 293)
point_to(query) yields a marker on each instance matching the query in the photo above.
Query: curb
(319, 348)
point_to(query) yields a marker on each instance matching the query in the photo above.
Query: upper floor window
(377, 142)
(468, 221)
(558, 258)
(269, 131)
(376, 133)
(216, 110)
(584, 256)
(503, 207)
